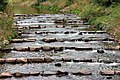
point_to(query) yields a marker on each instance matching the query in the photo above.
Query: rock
(11, 60)
(109, 77)
(34, 73)
(59, 21)
(21, 49)
(0, 47)
(58, 64)
(18, 74)
(69, 47)
(6, 42)
(117, 47)
(72, 40)
(20, 27)
(80, 39)
(61, 73)
(48, 73)
(72, 32)
(31, 27)
(76, 60)
(106, 60)
(91, 32)
(79, 48)
(57, 59)
(67, 32)
(5, 75)
(86, 60)
(46, 48)
(33, 48)
(60, 40)
(39, 60)
(38, 32)
(48, 59)
(17, 40)
(107, 72)
(87, 40)
(49, 40)
(108, 39)
(100, 51)
(7, 50)
(66, 59)
(82, 72)
(21, 60)
(80, 33)
(58, 48)
(119, 42)
(117, 72)
(29, 40)
(2, 61)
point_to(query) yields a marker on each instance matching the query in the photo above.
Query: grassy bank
(102, 17)
(100, 14)
(23, 7)
(6, 25)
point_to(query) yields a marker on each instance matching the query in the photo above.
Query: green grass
(49, 9)
(104, 18)
(96, 12)
(6, 24)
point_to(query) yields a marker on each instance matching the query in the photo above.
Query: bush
(106, 2)
(3, 4)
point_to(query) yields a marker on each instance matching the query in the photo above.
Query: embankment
(6, 24)
(103, 15)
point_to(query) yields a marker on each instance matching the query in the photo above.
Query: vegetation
(23, 7)
(103, 14)
(6, 21)
(3, 4)
(52, 5)
(106, 2)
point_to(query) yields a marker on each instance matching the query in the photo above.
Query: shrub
(3, 4)
(106, 2)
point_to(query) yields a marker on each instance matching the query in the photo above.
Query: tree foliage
(105, 2)
(3, 4)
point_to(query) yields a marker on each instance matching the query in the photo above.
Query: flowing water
(46, 21)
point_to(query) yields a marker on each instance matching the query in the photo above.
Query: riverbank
(99, 16)
(23, 7)
(7, 31)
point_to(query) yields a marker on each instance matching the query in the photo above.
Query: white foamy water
(28, 24)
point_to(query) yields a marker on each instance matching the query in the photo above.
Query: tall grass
(6, 23)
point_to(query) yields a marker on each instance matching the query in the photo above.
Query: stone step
(50, 59)
(23, 40)
(71, 32)
(57, 73)
(49, 40)
(56, 48)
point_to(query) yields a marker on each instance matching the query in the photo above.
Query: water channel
(73, 29)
